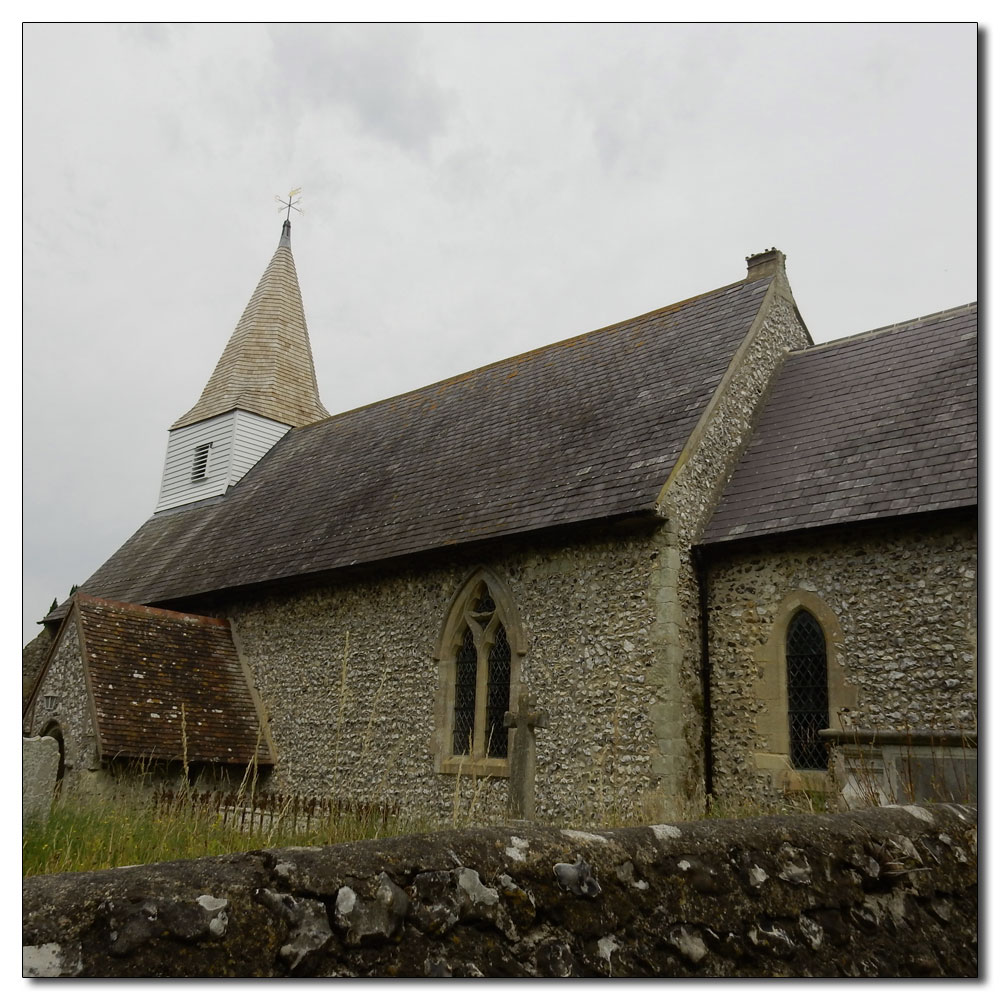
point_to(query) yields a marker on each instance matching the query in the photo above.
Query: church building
(707, 554)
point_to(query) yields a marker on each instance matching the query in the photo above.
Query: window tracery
(479, 653)
(482, 680)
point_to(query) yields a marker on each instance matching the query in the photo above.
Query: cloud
(375, 73)
(470, 191)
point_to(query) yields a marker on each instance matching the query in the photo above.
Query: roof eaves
(787, 527)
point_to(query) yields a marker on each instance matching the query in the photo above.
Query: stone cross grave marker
(521, 793)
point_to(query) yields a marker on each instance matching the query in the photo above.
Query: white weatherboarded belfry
(263, 385)
(714, 553)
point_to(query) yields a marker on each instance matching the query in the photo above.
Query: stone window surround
(772, 690)
(449, 642)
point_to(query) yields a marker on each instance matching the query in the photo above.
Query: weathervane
(290, 202)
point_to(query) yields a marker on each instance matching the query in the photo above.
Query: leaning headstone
(39, 767)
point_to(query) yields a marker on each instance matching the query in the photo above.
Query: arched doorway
(54, 730)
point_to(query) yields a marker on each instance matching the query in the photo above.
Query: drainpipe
(700, 566)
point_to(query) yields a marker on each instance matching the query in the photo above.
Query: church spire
(263, 385)
(267, 366)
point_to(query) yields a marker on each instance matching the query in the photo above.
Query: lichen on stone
(665, 832)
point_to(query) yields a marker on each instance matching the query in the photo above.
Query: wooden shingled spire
(267, 366)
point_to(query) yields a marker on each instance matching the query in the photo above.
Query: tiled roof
(146, 665)
(267, 366)
(586, 428)
(872, 426)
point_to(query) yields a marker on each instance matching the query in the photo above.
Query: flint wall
(888, 892)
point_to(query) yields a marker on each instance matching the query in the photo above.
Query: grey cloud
(537, 181)
(684, 84)
(375, 73)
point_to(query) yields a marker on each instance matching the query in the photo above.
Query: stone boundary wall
(885, 892)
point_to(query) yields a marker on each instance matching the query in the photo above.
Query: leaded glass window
(497, 694)
(808, 698)
(482, 680)
(466, 669)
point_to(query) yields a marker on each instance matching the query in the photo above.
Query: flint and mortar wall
(33, 658)
(889, 892)
(591, 640)
(66, 683)
(903, 602)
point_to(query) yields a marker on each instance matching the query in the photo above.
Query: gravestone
(39, 768)
(521, 790)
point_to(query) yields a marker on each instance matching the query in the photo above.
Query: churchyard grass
(141, 817)
(132, 827)
(85, 835)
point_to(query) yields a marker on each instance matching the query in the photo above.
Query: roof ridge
(877, 331)
(149, 610)
(462, 376)
(602, 417)
(887, 429)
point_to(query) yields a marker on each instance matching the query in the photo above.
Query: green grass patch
(91, 833)
(132, 826)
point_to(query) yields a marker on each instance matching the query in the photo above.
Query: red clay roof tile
(167, 685)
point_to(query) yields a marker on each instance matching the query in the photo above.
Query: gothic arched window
(482, 681)
(808, 693)
(480, 651)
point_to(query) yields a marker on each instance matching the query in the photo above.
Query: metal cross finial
(290, 202)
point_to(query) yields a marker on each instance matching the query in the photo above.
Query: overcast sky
(469, 193)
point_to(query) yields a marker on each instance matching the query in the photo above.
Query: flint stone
(516, 918)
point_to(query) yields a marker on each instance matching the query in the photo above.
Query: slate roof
(873, 426)
(177, 659)
(586, 428)
(267, 365)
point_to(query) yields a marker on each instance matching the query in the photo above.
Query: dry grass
(906, 772)
(129, 826)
